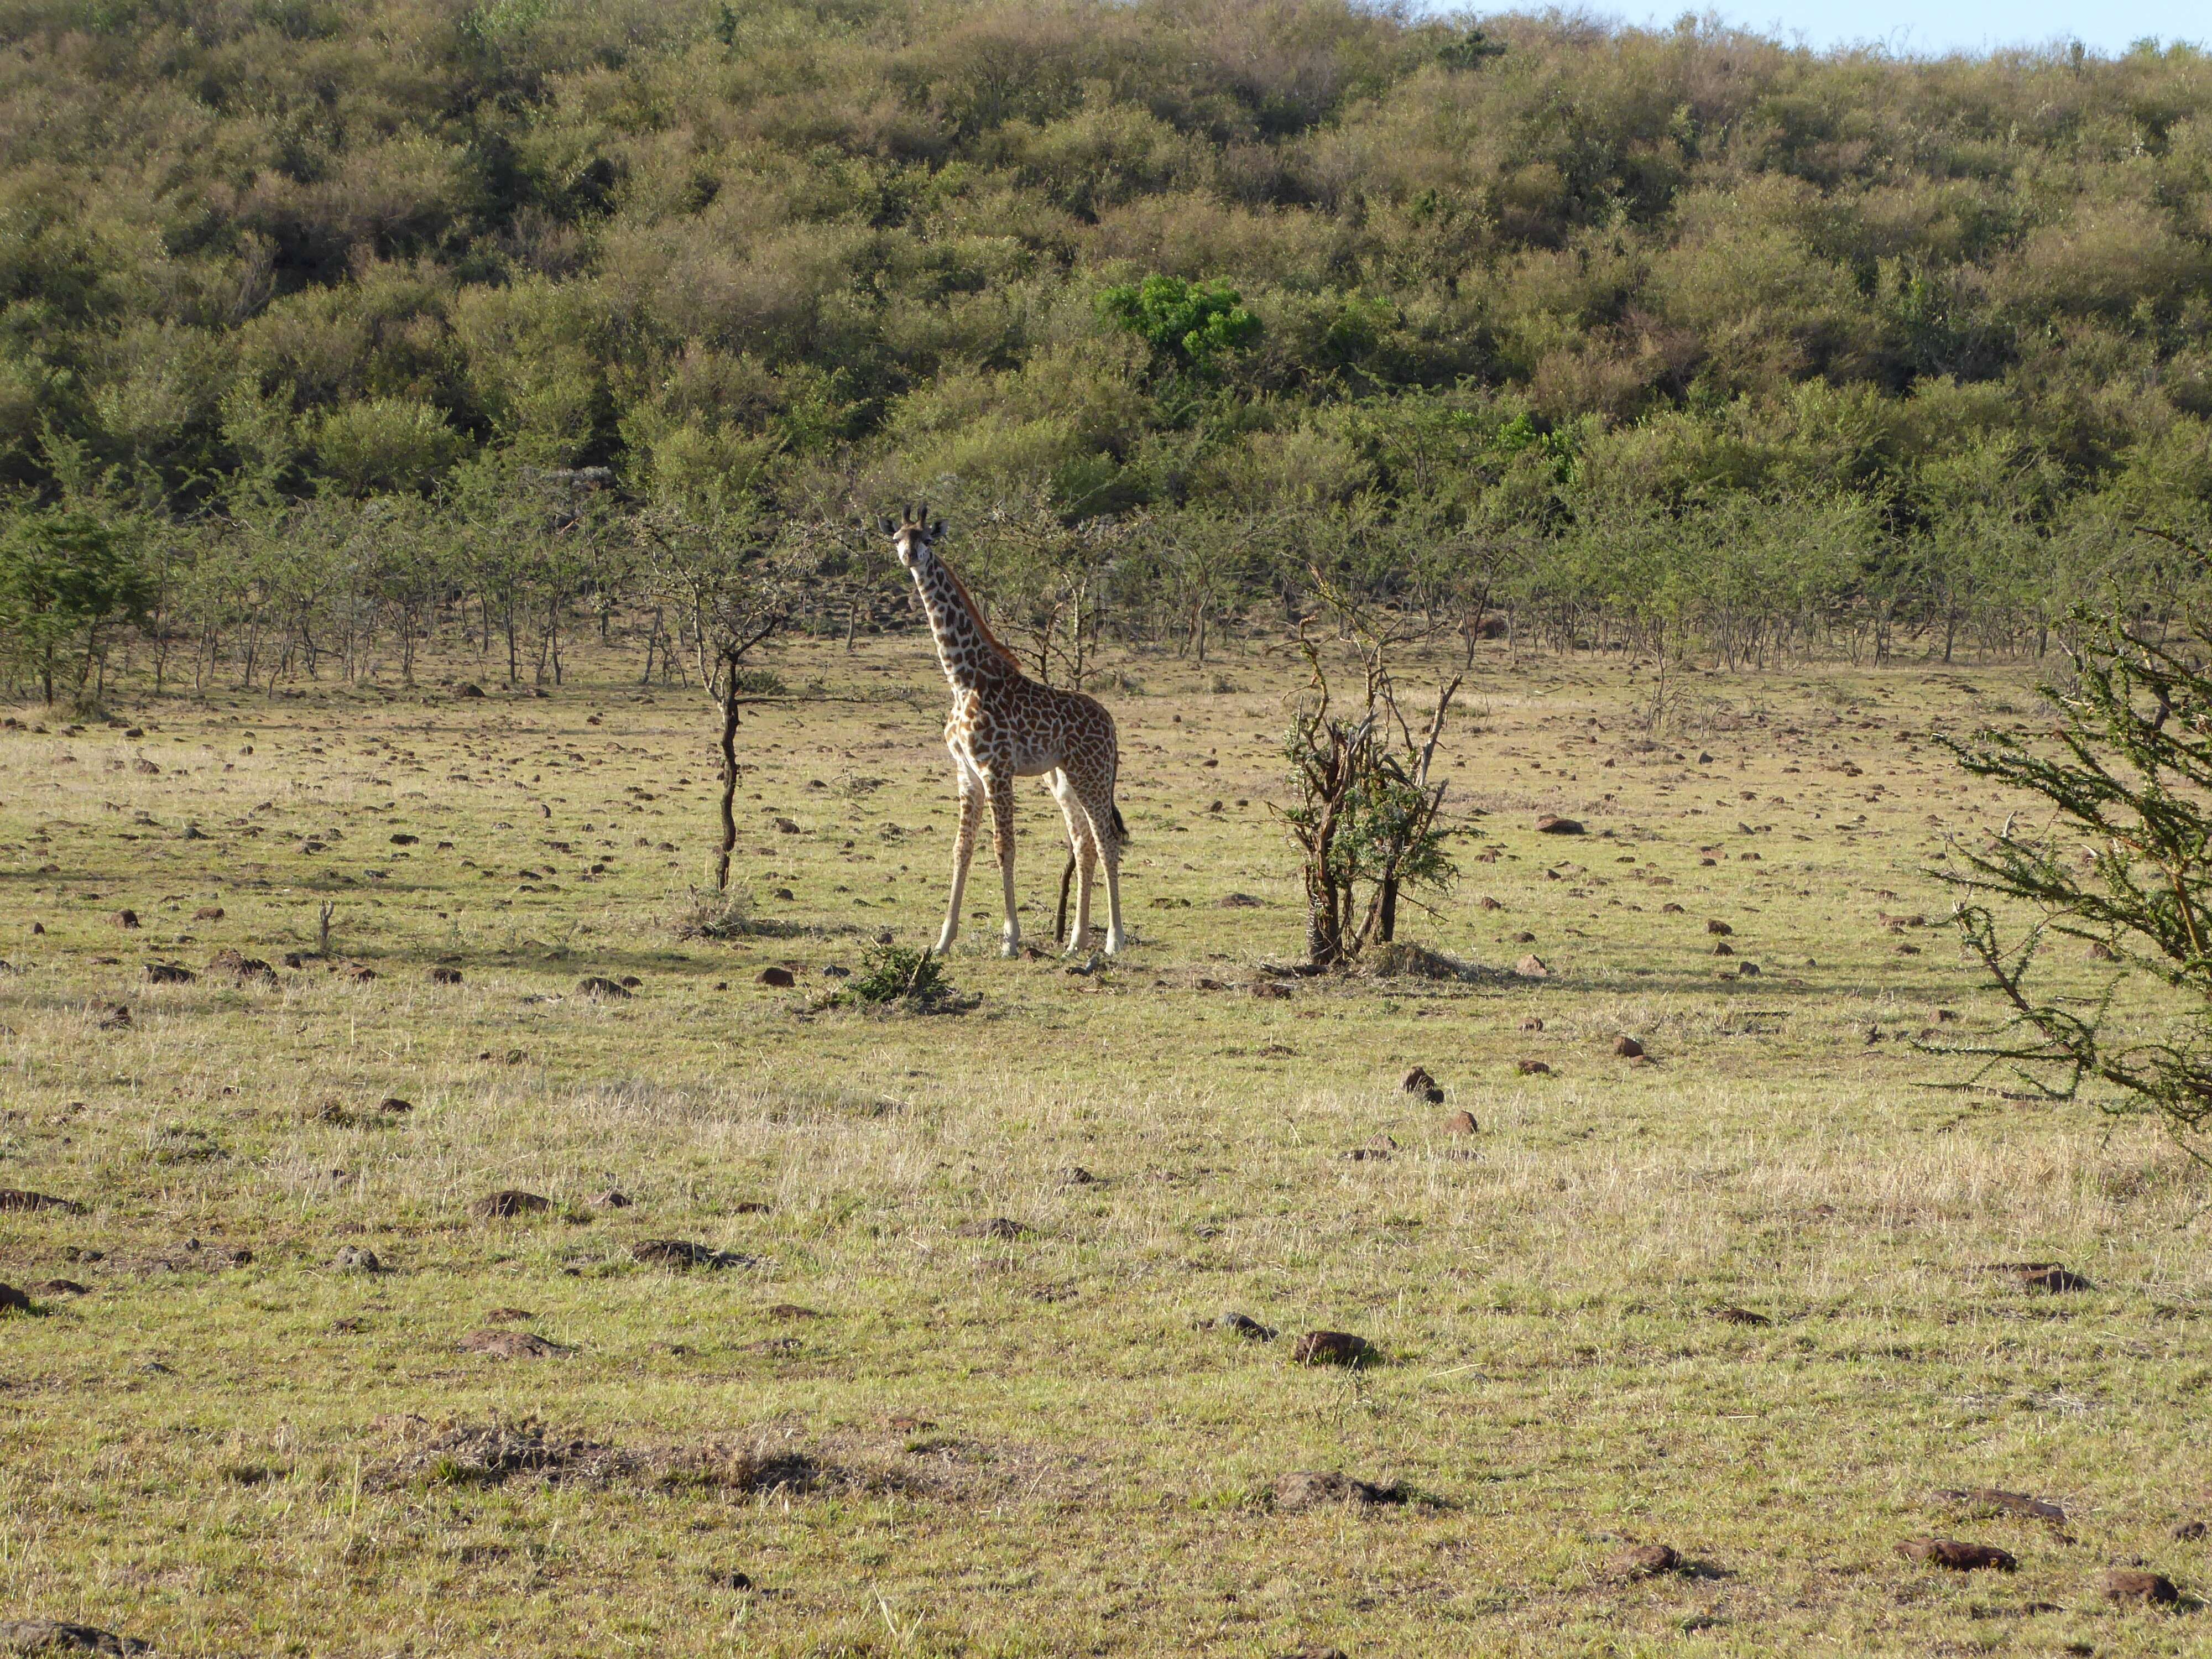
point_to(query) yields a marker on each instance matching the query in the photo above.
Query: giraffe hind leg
(1106, 835)
(1000, 786)
(1082, 857)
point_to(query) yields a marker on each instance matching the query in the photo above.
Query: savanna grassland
(889, 1425)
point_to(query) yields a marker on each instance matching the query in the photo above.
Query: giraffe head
(914, 538)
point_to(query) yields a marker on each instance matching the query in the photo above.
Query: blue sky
(1921, 26)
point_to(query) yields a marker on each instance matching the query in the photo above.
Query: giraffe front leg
(963, 848)
(1000, 785)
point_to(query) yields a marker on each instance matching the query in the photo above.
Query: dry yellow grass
(1040, 1444)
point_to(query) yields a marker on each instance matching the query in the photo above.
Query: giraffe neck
(970, 655)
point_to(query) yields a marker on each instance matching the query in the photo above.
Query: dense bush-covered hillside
(1682, 335)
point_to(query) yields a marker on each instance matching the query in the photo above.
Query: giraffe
(1004, 725)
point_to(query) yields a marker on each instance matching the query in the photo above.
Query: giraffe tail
(1120, 830)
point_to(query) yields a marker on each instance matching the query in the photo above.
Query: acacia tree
(2123, 863)
(66, 573)
(1366, 818)
(717, 563)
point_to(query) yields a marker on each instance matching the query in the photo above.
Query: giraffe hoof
(1010, 949)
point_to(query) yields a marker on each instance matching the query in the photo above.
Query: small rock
(1719, 929)
(242, 967)
(169, 973)
(1993, 1497)
(2127, 1584)
(600, 985)
(1418, 1081)
(392, 1106)
(1331, 1348)
(1748, 971)
(1462, 1123)
(508, 1203)
(62, 1287)
(1246, 1327)
(1524, 938)
(1533, 1022)
(14, 1198)
(126, 918)
(1532, 966)
(1267, 990)
(629, 981)
(471, 690)
(1490, 904)
(1725, 949)
(789, 1310)
(1741, 1317)
(682, 1253)
(999, 1226)
(613, 1198)
(402, 839)
(1627, 1047)
(443, 975)
(52, 1637)
(1237, 902)
(115, 1017)
(510, 1345)
(357, 1259)
(1670, 910)
(1305, 1489)
(2189, 1531)
(2043, 1276)
(1078, 1176)
(1958, 1557)
(12, 1300)
(781, 978)
(730, 1580)
(208, 913)
(749, 1206)
(1550, 824)
(1646, 1561)
(1532, 1068)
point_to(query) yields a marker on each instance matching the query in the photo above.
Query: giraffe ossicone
(1006, 725)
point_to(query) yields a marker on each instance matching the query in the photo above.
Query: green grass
(1039, 1444)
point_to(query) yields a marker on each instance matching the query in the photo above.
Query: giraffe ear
(889, 529)
(922, 517)
(937, 529)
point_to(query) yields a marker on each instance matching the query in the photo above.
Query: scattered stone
(15, 1198)
(613, 1198)
(1462, 1123)
(443, 975)
(357, 1259)
(2042, 1276)
(1237, 902)
(1670, 910)
(126, 918)
(629, 981)
(12, 1300)
(402, 839)
(1748, 971)
(45, 1637)
(2189, 1531)
(749, 1206)
(1524, 937)
(169, 973)
(115, 1017)
(1532, 1068)
(1992, 1497)
(789, 1310)
(1628, 1047)
(999, 1226)
(392, 1106)
(242, 967)
(786, 827)
(471, 690)
(1532, 966)
(1646, 1561)
(510, 1345)
(600, 986)
(1418, 1081)
(2127, 1584)
(1719, 929)
(1958, 1557)
(682, 1253)
(781, 978)
(208, 913)
(1533, 1022)
(1267, 990)
(360, 972)
(1490, 904)
(1741, 1317)
(1331, 1348)
(1305, 1489)
(62, 1287)
(506, 1203)
(1550, 824)
(1725, 949)
(1246, 1327)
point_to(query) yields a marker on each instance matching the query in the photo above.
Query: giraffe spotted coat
(1006, 725)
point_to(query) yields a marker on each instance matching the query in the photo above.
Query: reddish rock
(510, 1345)
(1532, 1068)
(508, 1203)
(1646, 1561)
(780, 978)
(2127, 1584)
(1550, 824)
(1957, 1556)
(14, 1198)
(1331, 1348)
(443, 975)
(1461, 1124)
(1628, 1047)
(1418, 1081)
(1532, 966)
